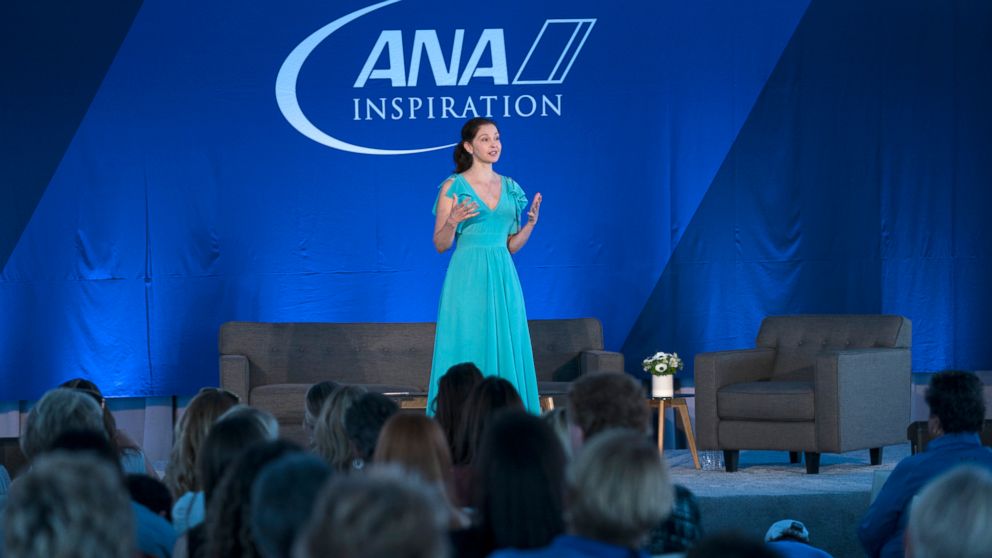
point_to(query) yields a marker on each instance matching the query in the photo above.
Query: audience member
(486, 398)
(618, 489)
(59, 411)
(69, 505)
(330, 439)
(790, 539)
(153, 535)
(282, 499)
(317, 394)
(416, 443)
(452, 392)
(226, 440)
(363, 421)
(683, 528)
(191, 429)
(952, 516)
(604, 401)
(519, 487)
(957, 411)
(382, 514)
(597, 402)
(132, 457)
(228, 522)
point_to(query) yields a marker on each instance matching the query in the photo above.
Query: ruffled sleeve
(519, 203)
(458, 188)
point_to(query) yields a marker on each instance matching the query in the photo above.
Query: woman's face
(486, 146)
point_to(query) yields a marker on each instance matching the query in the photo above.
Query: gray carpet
(767, 488)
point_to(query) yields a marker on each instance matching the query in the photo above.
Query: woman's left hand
(535, 210)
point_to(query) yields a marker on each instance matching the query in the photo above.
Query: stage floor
(768, 488)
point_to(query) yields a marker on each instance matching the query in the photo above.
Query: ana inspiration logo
(544, 65)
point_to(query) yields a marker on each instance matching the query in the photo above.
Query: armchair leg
(793, 457)
(812, 462)
(731, 458)
(876, 456)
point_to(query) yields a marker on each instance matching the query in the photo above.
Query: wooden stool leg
(683, 410)
(661, 426)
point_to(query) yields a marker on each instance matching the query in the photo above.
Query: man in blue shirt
(957, 411)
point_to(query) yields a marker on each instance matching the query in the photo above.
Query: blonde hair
(951, 516)
(618, 489)
(192, 428)
(330, 439)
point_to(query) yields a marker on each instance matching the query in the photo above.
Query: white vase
(662, 386)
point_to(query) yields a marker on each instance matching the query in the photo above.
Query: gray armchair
(813, 384)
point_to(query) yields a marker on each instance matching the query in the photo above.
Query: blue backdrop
(169, 166)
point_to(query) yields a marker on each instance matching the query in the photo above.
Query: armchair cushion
(767, 401)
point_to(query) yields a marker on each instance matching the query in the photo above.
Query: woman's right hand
(462, 211)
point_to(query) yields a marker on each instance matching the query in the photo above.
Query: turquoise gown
(481, 316)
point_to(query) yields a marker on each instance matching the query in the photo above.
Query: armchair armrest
(862, 398)
(716, 370)
(234, 376)
(600, 361)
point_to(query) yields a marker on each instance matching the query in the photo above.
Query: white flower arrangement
(663, 364)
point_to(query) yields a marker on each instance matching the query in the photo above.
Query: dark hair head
(282, 498)
(463, 159)
(519, 482)
(452, 392)
(223, 444)
(364, 420)
(605, 400)
(228, 520)
(956, 399)
(151, 493)
(488, 396)
(316, 395)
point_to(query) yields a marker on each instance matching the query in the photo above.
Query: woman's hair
(488, 396)
(226, 440)
(951, 516)
(519, 482)
(59, 411)
(463, 159)
(382, 513)
(415, 442)
(266, 421)
(192, 428)
(228, 519)
(330, 439)
(619, 509)
(316, 396)
(452, 392)
(364, 421)
(69, 505)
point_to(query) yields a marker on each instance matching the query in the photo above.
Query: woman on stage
(481, 315)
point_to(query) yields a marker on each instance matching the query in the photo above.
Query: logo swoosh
(289, 73)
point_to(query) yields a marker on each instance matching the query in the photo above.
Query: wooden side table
(681, 411)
